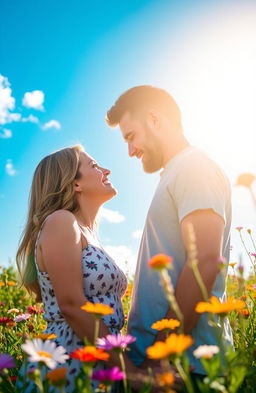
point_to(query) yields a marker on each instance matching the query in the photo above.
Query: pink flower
(253, 254)
(6, 361)
(22, 317)
(112, 374)
(34, 310)
(115, 341)
(239, 229)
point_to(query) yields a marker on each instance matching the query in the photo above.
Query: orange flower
(42, 327)
(89, 354)
(160, 261)
(97, 309)
(216, 307)
(173, 344)
(2, 284)
(45, 336)
(165, 379)
(245, 312)
(11, 283)
(57, 375)
(233, 264)
(166, 324)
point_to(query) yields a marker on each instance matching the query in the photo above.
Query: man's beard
(153, 162)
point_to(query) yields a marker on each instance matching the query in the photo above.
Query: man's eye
(94, 165)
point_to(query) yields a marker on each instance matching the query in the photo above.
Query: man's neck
(172, 149)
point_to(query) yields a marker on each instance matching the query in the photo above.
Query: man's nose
(131, 150)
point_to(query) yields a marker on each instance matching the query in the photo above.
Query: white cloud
(52, 124)
(124, 257)
(7, 102)
(111, 215)
(31, 119)
(34, 99)
(10, 168)
(5, 134)
(137, 234)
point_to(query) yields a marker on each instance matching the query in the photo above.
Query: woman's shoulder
(61, 219)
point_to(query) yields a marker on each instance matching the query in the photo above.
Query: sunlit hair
(140, 98)
(52, 189)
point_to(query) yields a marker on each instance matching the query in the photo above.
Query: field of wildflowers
(22, 338)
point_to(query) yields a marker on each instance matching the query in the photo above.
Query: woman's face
(93, 181)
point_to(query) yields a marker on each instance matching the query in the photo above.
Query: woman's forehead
(85, 157)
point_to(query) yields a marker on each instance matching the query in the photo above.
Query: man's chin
(149, 168)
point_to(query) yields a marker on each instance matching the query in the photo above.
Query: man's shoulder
(198, 161)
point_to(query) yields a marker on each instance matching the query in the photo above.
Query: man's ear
(153, 120)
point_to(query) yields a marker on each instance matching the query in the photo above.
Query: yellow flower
(42, 327)
(245, 179)
(233, 264)
(97, 309)
(128, 291)
(11, 283)
(2, 284)
(165, 379)
(166, 324)
(45, 336)
(173, 344)
(160, 261)
(59, 374)
(216, 307)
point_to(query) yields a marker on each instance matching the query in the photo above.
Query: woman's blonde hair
(52, 189)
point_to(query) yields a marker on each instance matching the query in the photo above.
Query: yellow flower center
(43, 353)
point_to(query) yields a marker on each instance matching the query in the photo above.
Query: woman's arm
(61, 250)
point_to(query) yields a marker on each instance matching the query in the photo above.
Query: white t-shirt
(190, 181)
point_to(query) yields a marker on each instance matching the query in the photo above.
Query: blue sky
(74, 58)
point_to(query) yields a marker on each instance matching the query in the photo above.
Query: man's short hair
(139, 97)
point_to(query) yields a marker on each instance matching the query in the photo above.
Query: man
(192, 189)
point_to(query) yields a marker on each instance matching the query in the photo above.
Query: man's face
(143, 141)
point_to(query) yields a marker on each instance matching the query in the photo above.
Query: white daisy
(45, 351)
(206, 351)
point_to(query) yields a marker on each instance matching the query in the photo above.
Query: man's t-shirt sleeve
(199, 184)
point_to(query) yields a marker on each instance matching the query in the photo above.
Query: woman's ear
(77, 187)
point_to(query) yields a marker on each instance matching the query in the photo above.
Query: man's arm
(209, 229)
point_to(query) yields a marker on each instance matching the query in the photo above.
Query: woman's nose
(106, 171)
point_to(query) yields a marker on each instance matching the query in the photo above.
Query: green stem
(97, 329)
(243, 243)
(199, 280)
(124, 371)
(169, 291)
(184, 376)
(254, 245)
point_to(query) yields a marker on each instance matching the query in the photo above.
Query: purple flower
(112, 374)
(6, 361)
(115, 341)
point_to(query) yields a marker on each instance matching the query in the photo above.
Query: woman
(60, 259)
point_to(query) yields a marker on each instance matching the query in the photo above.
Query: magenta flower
(6, 361)
(22, 317)
(115, 341)
(112, 374)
